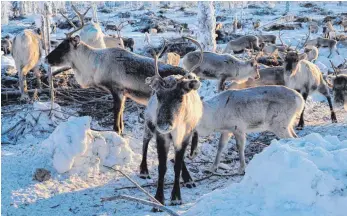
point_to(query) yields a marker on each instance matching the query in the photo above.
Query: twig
(145, 202)
(135, 183)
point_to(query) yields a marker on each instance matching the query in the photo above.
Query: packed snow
(304, 176)
(78, 149)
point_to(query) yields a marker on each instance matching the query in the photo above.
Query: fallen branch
(145, 202)
(13, 127)
(135, 183)
(17, 92)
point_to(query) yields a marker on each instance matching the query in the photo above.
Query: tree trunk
(207, 26)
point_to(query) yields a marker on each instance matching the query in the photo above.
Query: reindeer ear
(330, 80)
(153, 82)
(76, 41)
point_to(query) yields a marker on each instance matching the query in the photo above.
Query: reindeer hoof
(241, 170)
(176, 202)
(333, 118)
(193, 155)
(156, 210)
(213, 169)
(190, 184)
(299, 127)
(144, 176)
(24, 98)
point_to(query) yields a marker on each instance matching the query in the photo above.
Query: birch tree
(207, 26)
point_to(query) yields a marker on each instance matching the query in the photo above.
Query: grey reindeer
(306, 78)
(114, 69)
(222, 66)
(173, 111)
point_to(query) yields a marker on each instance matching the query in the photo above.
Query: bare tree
(207, 25)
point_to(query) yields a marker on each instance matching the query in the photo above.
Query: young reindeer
(258, 109)
(221, 66)
(240, 44)
(173, 110)
(150, 129)
(114, 69)
(92, 35)
(323, 42)
(26, 52)
(306, 78)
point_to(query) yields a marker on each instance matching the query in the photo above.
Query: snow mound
(75, 148)
(305, 176)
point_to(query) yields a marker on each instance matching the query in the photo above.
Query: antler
(71, 23)
(201, 54)
(120, 27)
(279, 37)
(308, 36)
(81, 18)
(334, 68)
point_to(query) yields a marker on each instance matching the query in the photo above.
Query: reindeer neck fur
(305, 74)
(187, 117)
(86, 62)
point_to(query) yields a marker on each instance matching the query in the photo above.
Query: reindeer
(173, 112)
(267, 39)
(306, 78)
(256, 24)
(313, 27)
(26, 52)
(114, 69)
(238, 112)
(312, 53)
(171, 58)
(329, 29)
(240, 44)
(323, 42)
(6, 45)
(268, 76)
(221, 66)
(219, 26)
(150, 128)
(340, 69)
(129, 43)
(344, 25)
(339, 86)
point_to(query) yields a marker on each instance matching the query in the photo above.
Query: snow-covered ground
(304, 176)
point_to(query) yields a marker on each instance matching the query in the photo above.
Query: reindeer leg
(240, 142)
(176, 191)
(301, 121)
(193, 149)
(221, 84)
(163, 150)
(118, 106)
(149, 130)
(223, 140)
(324, 90)
(23, 85)
(38, 76)
(187, 179)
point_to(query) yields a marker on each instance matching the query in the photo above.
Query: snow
(78, 149)
(305, 176)
(77, 191)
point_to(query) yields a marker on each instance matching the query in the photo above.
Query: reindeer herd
(259, 98)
